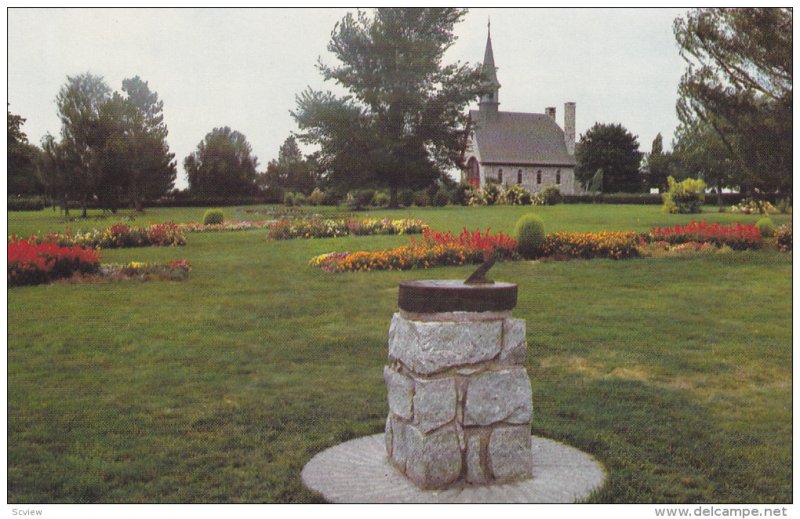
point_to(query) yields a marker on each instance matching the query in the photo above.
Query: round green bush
(299, 199)
(766, 227)
(529, 233)
(381, 199)
(213, 217)
(288, 199)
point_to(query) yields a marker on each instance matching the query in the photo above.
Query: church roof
(520, 138)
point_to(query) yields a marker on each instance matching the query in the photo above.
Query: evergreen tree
(613, 149)
(739, 83)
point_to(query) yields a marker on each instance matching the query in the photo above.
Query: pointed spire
(488, 59)
(490, 101)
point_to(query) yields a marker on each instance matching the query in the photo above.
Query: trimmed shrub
(529, 233)
(331, 197)
(422, 199)
(459, 195)
(752, 206)
(684, 197)
(299, 199)
(517, 195)
(213, 217)
(491, 193)
(552, 196)
(316, 197)
(783, 235)
(381, 199)
(405, 197)
(25, 204)
(360, 199)
(288, 199)
(765, 227)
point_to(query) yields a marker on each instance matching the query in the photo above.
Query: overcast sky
(243, 67)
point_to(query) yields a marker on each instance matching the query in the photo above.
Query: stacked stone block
(459, 398)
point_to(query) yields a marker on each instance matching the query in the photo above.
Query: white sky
(243, 67)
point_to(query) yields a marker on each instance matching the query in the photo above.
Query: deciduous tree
(403, 124)
(222, 166)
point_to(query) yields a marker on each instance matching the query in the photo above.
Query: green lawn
(674, 372)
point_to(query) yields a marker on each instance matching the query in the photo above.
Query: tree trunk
(66, 205)
(393, 202)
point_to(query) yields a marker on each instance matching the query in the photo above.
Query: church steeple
(490, 101)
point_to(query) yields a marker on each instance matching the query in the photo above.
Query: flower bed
(30, 263)
(750, 206)
(175, 270)
(121, 235)
(329, 228)
(783, 237)
(613, 245)
(435, 250)
(736, 235)
(225, 227)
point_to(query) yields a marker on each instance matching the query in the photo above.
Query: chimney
(569, 127)
(551, 112)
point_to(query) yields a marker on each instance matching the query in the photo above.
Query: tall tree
(404, 123)
(223, 165)
(698, 152)
(656, 164)
(290, 172)
(57, 172)
(119, 152)
(79, 102)
(153, 168)
(613, 149)
(22, 157)
(739, 83)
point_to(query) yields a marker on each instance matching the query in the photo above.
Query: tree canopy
(403, 124)
(222, 166)
(22, 159)
(113, 147)
(738, 83)
(611, 148)
(290, 172)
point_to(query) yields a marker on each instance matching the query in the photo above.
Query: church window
(558, 176)
(500, 176)
(519, 177)
(539, 177)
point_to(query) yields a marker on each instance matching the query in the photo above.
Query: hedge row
(25, 204)
(728, 199)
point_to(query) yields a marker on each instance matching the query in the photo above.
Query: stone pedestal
(459, 395)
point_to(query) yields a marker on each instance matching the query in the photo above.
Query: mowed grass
(674, 372)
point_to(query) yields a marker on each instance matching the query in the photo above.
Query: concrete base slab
(357, 472)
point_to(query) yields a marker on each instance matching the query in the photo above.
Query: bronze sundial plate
(434, 295)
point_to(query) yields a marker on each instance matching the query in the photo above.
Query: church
(528, 149)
